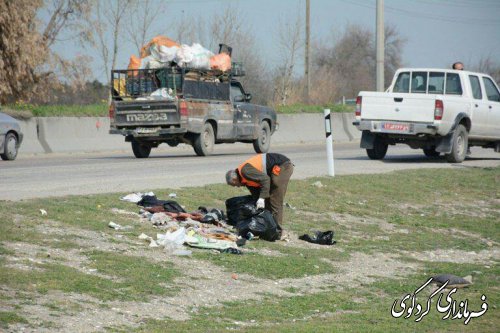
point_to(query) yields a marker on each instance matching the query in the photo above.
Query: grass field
(23, 110)
(67, 271)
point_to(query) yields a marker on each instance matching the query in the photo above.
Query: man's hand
(261, 203)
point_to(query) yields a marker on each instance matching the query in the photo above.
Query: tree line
(32, 71)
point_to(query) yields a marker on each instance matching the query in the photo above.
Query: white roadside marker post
(329, 143)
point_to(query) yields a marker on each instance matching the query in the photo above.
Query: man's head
(458, 66)
(232, 178)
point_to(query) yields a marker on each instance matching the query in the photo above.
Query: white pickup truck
(437, 110)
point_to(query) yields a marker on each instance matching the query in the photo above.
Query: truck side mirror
(248, 97)
(239, 98)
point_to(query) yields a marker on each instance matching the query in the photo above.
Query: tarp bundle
(161, 51)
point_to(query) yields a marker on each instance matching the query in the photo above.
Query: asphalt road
(37, 176)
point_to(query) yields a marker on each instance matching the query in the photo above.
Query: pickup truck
(178, 105)
(440, 111)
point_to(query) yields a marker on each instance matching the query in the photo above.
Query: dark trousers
(279, 184)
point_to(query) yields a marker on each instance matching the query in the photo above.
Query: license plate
(396, 127)
(146, 130)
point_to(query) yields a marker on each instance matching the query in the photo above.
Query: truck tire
(10, 150)
(140, 150)
(431, 152)
(379, 149)
(204, 142)
(263, 141)
(459, 144)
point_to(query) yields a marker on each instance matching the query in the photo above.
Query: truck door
(479, 108)
(493, 104)
(244, 114)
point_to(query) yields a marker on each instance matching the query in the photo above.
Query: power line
(461, 20)
(465, 4)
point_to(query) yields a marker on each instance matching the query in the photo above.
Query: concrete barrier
(30, 144)
(307, 128)
(86, 134)
(90, 134)
(351, 130)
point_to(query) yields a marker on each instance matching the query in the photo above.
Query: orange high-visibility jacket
(259, 163)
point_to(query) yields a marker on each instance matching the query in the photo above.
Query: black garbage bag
(320, 237)
(173, 207)
(240, 208)
(263, 225)
(169, 205)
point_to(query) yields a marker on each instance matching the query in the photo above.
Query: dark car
(10, 137)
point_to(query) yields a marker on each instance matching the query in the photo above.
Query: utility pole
(306, 64)
(380, 45)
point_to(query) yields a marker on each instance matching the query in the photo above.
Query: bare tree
(107, 20)
(489, 66)
(289, 41)
(394, 45)
(64, 15)
(187, 31)
(139, 26)
(351, 60)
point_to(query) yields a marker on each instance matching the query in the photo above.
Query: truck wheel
(10, 145)
(204, 142)
(140, 150)
(459, 143)
(379, 149)
(431, 152)
(263, 141)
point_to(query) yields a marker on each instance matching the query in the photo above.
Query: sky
(438, 32)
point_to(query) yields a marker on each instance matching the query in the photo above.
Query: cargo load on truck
(186, 94)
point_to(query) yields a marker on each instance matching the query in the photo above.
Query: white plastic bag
(163, 93)
(184, 55)
(145, 62)
(166, 54)
(201, 57)
(172, 239)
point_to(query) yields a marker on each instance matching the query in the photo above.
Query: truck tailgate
(145, 113)
(397, 106)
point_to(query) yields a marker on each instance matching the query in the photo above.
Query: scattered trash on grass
(287, 205)
(135, 197)
(318, 184)
(231, 250)
(453, 280)
(322, 238)
(43, 211)
(116, 226)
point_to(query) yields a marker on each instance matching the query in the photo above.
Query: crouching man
(266, 176)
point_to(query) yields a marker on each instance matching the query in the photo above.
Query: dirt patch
(203, 285)
(476, 209)
(457, 256)
(461, 234)
(352, 222)
(29, 256)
